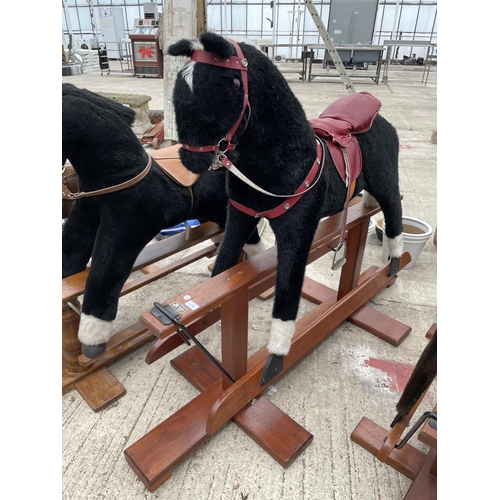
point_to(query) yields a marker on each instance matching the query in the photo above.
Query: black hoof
(397, 418)
(92, 351)
(274, 365)
(393, 266)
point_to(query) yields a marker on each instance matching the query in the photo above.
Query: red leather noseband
(238, 62)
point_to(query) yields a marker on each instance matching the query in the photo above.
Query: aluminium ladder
(330, 46)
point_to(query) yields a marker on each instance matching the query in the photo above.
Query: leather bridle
(240, 63)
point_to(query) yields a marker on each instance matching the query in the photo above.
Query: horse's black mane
(103, 103)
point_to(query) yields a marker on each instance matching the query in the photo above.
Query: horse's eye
(236, 84)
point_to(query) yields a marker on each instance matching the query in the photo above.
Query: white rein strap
(223, 160)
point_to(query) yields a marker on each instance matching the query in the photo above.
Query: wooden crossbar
(74, 286)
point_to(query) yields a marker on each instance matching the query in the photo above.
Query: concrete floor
(328, 392)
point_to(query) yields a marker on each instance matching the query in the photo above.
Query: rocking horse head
(210, 125)
(230, 98)
(211, 97)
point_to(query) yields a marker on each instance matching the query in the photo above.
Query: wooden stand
(90, 377)
(226, 297)
(414, 464)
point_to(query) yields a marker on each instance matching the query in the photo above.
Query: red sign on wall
(145, 51)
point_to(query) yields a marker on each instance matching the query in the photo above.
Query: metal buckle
(219, 145)
(337, 264)
(217, 161)
(219, 155)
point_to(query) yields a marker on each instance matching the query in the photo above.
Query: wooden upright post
(201, 17)
(180, 19)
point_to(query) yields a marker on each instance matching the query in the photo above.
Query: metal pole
(225, 18)
(330, 47)
(68, 19)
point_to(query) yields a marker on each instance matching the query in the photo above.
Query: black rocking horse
(125, 199)
(235, 110)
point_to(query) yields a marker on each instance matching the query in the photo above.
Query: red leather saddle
(352, 114)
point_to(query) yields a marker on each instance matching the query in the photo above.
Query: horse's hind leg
(393, 216)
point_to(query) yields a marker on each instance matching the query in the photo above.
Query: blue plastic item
(179, 228)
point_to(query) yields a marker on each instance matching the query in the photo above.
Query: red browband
(212, 58)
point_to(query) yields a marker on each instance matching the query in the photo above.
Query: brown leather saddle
(168, 159)
(349, 115)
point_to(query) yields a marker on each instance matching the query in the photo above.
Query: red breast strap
(289, 202)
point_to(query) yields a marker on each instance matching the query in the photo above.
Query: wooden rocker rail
(226, 297)
(91, 377)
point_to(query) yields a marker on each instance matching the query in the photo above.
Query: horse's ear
(215, 43)
(182, 48)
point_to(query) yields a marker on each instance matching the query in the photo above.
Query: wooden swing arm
(226, 296)
(397, 431)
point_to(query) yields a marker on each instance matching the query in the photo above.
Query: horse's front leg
(294, 237)
(238, 228)
(115, 252)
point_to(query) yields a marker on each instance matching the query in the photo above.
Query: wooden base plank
(316, 292)
(100, 389)
(194, 366)
(268, 294)
(427, 434)
(371, 437)
(276, 432)
(378, 324)
(382, 326)
(119, 345)
(154, 455)
(425, 484)
(431, 331)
